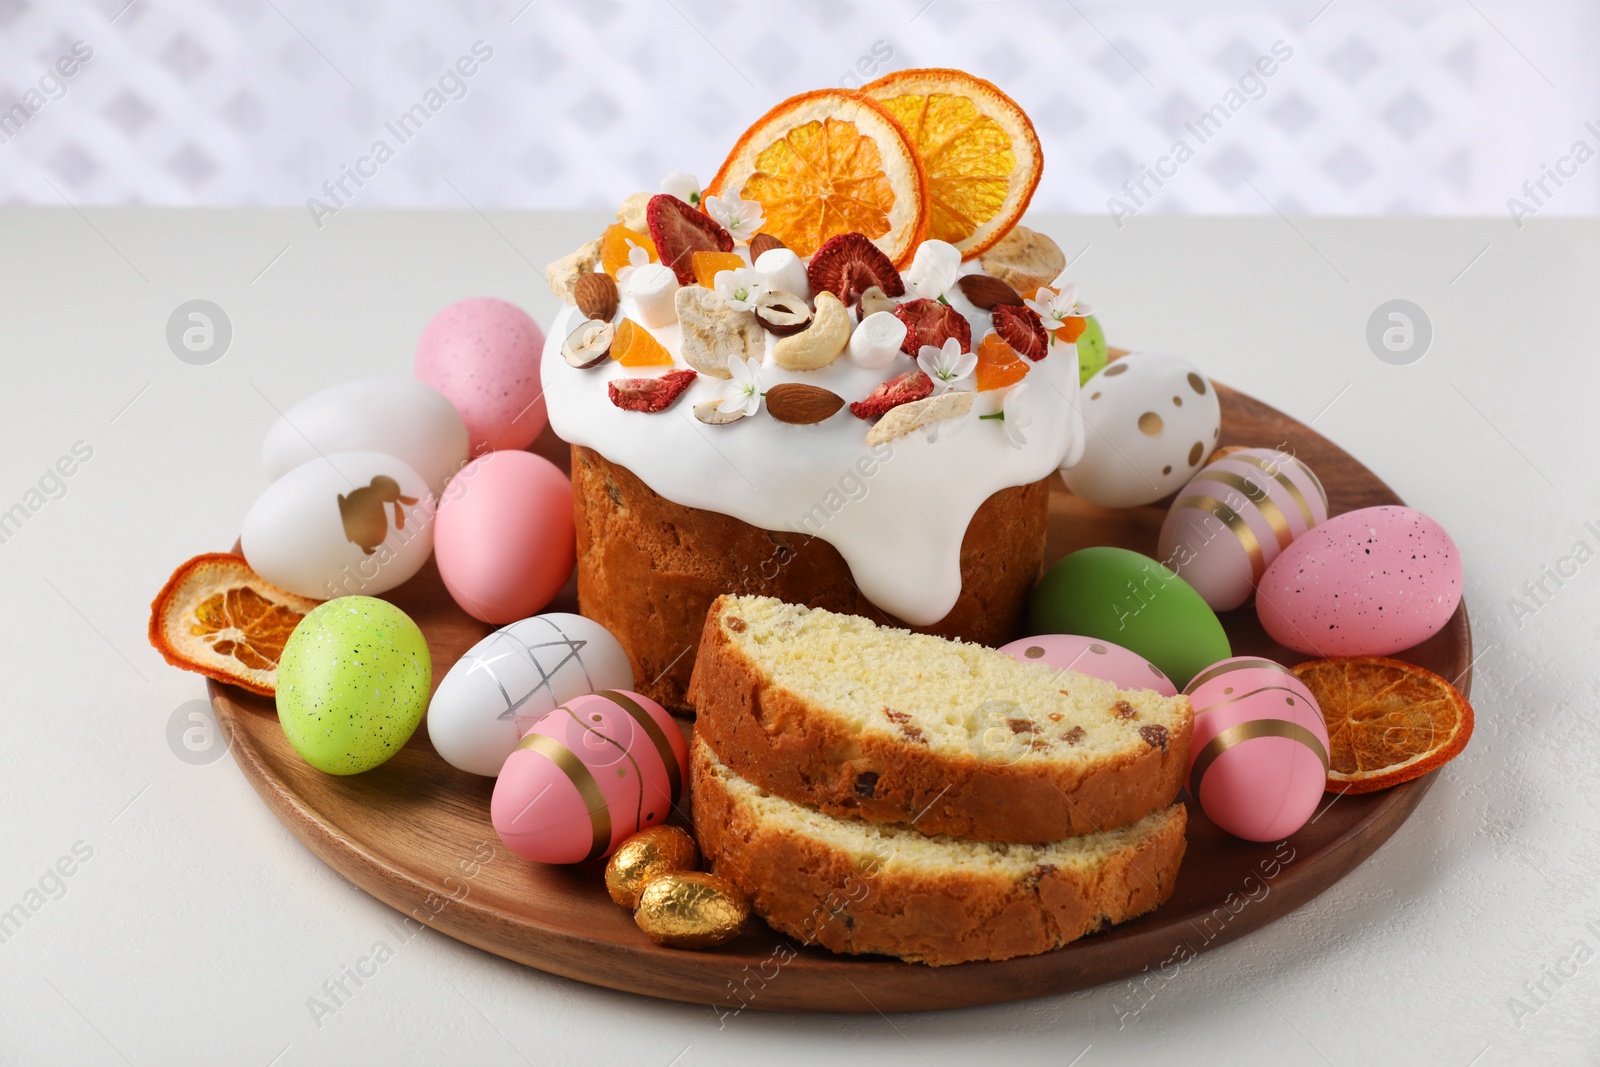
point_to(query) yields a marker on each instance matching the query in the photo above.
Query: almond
(763, 242)
(800, 404)
(596, 296)
(710, 412)
(987, 292)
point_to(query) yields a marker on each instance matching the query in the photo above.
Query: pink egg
(1365, 583)
(504, 537)
(1258, 758)
(484, 355)
(1121, 667)
(1234, 518)
(587, 775)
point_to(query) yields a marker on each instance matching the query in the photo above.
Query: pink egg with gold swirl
(1258, 757)
(1235, 517)
(1122, 667)
(587, 775)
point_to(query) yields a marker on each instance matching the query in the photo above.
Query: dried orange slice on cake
(1388, 721)
(830, 162)
(978, 148)
(219, 618)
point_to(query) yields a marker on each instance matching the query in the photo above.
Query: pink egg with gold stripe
(1258, 757)
(587, 775)
(1234, 518)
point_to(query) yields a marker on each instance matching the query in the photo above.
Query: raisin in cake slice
(853, 719)
(854, 887)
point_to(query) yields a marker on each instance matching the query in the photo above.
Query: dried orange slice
(979, 150)
(219, 618)
(829, 162)
(1388, 721)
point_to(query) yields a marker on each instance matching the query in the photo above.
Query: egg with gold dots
(1150, 421)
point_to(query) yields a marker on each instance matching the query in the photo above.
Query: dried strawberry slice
(650, 394)
(929, 322)
(1021, 328)
(849, 264)
(912, 385)
(679, 231)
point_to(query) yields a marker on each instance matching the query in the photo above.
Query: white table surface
(198, 928)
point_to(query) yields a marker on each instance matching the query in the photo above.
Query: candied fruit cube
(634, 347)
(706, 265)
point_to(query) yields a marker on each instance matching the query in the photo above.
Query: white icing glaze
(896, 513)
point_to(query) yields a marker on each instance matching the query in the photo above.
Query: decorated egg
(1258, 758)
(1152, 419)
(646, 855)
(691, 909)
(514, 677)
(1113, 594)
(349, 523)
(1096, 658)
(1091, 349)
(483, 354)
(1234, 518)
(1365, 583)
(504, 537)
(594, 771)
(352, 684)
(400, 417)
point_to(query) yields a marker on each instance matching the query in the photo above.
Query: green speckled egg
(1091, 349)
(353, 684)
(1121, 596)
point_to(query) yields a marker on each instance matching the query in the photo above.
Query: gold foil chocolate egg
(690, 909)
(648, 853)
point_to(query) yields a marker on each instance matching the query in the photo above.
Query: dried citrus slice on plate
(978, 148)
(1388, 721)
(829, 162)
(219, 618)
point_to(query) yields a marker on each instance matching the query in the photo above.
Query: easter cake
(855, 887)
(852, 719)
(842, 375)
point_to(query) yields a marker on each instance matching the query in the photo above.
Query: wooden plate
(415, 833)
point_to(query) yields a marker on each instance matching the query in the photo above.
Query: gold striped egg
(1233, 519)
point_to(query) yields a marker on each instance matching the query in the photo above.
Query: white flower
(1014, 420)
(743, 390)
(685, 187)
(638, 256)
(1056, 308)
(740, 288)
(933, 269)
(741, 218)
(947, 366)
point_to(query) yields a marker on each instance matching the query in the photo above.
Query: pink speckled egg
(587, 775)
(1258, 758)
(484, 354)
(504, 537)
(1365, 583)
(1121, 667)
(1234, 518)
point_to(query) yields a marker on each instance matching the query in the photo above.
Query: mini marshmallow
(784, 272)
(654, 288)
(876, 340)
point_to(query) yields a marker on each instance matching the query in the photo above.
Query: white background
(199, 927)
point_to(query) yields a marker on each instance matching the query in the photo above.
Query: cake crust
(789, 746)
(861, 901)
(649, 569)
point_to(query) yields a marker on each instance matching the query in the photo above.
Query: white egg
(345, 524)
(401, 417)
(1150, 422)
(514, 677)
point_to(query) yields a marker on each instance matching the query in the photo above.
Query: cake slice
(853, 887)
(853, 719)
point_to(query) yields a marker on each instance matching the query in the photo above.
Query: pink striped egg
(1234, 518)
(1122, 667)
(1258, 757)
(587, 775)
